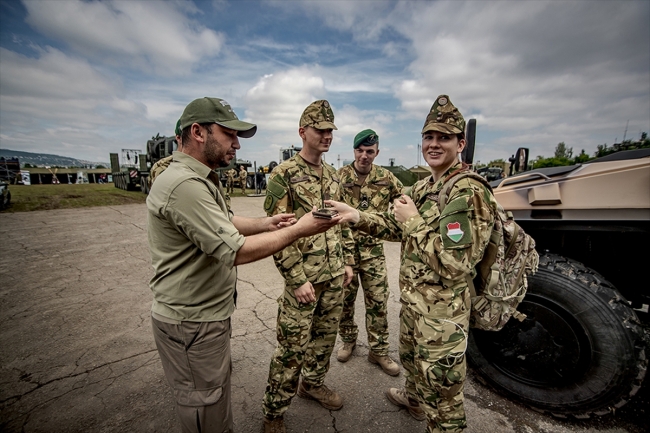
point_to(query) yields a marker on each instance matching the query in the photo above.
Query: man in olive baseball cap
(196, 242)
(215, 110)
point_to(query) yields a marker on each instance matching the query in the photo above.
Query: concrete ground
(77, 352)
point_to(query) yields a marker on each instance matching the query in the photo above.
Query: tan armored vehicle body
(612, 190)
(582, 348)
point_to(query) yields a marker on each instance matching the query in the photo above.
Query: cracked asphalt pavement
(77, 352)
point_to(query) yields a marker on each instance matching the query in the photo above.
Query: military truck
(581, 350)
(132, 171)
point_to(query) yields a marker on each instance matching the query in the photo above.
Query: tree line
(564, 155)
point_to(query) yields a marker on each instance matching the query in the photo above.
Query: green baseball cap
(444, 117)
(215, 110)
(178, 130)
(318, 115)
(367, 137)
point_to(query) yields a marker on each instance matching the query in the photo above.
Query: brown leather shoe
(389, 366)
(274, 425)
(399, 397)
(326, 397)
(345, 351)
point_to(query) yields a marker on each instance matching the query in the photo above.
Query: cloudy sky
(86, 78)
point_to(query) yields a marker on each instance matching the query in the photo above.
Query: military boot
(274, 425)
(345, 351)
(399, 397)
(326, 397)
(389, 366)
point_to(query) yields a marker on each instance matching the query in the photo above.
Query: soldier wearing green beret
(369, 188)
(162, 164)
(195, 245)
(439, 253)
(315, 270)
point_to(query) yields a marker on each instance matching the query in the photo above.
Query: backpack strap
(453, 178)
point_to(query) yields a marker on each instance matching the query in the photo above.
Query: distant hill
(43, 159)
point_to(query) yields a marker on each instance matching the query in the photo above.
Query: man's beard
(213, 155)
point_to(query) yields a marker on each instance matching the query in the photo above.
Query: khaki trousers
(196, 359)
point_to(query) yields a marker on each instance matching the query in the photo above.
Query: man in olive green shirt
(195, 244)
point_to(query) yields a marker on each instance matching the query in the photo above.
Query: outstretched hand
(404, 208)
(310, 225)
(281, 220)
(348, 214)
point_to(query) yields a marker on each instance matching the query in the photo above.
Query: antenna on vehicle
(625, 133)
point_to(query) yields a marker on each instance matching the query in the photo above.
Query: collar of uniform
(195, 165)
(369, 174)
(306, 164)
(443, 178)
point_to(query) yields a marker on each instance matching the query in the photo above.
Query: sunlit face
(221, 145)
(364, 157)
(441, 150)
(314, 139)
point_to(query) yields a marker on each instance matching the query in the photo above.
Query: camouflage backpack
(501, 275)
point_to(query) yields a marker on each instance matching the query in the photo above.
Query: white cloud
(535, 72)
(150, 36)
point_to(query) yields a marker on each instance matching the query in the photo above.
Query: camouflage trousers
(432, 351)
(374, 281)
(243, 186)
(306, 336)
(230, 185)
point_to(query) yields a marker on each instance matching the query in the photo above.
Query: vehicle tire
(144, 185)
(272, 165)
(579, 352)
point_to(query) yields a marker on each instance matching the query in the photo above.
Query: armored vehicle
(582, 349)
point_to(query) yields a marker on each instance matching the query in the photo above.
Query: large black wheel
(580, 351)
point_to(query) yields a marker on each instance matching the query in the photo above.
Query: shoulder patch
(455, 227)
(269, 203)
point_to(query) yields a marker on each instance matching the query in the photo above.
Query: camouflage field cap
(178, 130)
(318, 115)
(444, 117)
(215, 110)
(367, 137)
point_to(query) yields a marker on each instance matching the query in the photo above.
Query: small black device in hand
(325, 213)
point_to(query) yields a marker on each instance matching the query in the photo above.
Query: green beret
(367, 137)
(177, 130)
(444, 117)
(216, 110)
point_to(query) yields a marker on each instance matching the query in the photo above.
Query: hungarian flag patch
(454, 231)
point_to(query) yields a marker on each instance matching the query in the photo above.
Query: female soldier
(439, 252)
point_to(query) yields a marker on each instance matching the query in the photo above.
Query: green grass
(26, 198)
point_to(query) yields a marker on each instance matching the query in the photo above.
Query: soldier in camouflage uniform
(162, 164)
(230, 181)
(439, 252)
(315, 269)
(243, 174)
(369, 188)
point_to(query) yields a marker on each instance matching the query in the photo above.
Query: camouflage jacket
(294, 187)
(243, 175)
(231, 174)
(439, 251)
(377, 193)
(160, 166)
